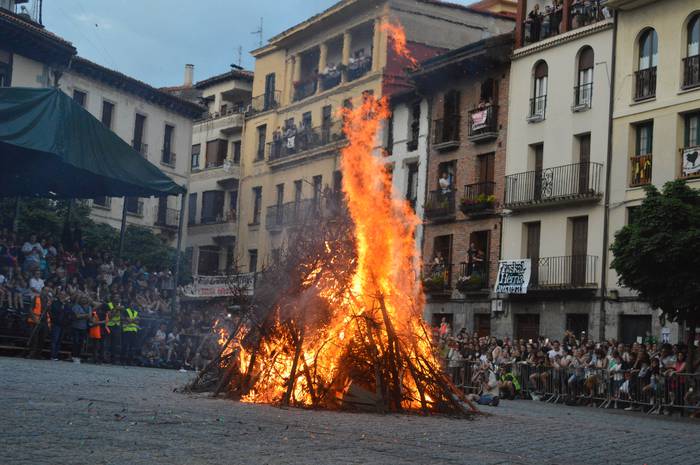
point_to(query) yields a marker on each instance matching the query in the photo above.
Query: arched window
(645, 77)
(539, 94)
(584, 88)
(691, 63)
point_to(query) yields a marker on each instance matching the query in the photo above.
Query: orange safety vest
(35, 314)
(95, 332)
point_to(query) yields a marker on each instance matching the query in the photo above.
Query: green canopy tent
(52, 147)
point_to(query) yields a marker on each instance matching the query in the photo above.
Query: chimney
(189, 75)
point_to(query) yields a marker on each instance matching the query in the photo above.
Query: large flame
(374, 322)
(397, 34)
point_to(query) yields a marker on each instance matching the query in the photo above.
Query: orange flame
(397, 34)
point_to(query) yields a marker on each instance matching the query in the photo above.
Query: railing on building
(440, 204)
(219, 218)
(306, 139)
(305, 88)
(538, 108)
(474, 276)
(640, 170)
(331, 79)
(446, 132)
(167, 217)
(566, 272)
(478, 198)
(583, 95)
(168, 158)
(483, 123)
(552, 22)
(568, 183)
(229, 111)
(292, 214)
(437, 278)
(691, 72)
(359, 68)
(265, 102)
(645, 83)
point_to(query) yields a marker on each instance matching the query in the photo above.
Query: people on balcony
(290, 138)
(445, 184)
(475, 259)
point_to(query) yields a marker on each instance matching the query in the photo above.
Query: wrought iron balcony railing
(567, 272)
(561, 184)
(583, 96)
(440, 204)
(446, 132)
(215, 218)
(538, 108)
(437, 278)
(478, 198)
(265, 102)
(305, 88)
(483, 123)
(359, 68)
(474, 276)
(305, 139)
(691, 72)
(167, 217)
(645, 83)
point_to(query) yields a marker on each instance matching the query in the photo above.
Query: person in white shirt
(36, 283)
(32, 244)
(445, 184)
(555, 351)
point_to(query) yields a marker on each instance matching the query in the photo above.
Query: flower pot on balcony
(434, 283)
(471, 283)
(477, 204)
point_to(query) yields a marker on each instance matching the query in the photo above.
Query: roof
(436, 64)
(139, 88)
(342, 4)
(32, 40)
(227, 76)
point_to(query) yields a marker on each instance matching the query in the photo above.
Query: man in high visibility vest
(96, 330)
(38, 321)
(130, 330)
(114, 327)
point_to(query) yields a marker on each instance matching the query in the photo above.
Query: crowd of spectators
(105, 309)
(646, 374)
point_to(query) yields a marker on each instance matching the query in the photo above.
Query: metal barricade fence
(638, 389)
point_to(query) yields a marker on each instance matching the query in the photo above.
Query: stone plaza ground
(61, 413)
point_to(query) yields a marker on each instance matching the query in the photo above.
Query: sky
(152, 40)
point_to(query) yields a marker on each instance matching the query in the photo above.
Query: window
(139, 129)
(690, 163)
(413, 127)
(192, 209)
(641, 162)
(208, 263)
(253, 261)
(692, 129)
(412, 184)
(213, 206)
(107, 113)
(216, 153)
(633, 215)
(236, 149)
(194, 163)
(644, 139)
(306, 121)
(389, 135)
(691, 64)
(318, 183)
(101, 202)
(133, 206)
(257, 205)
(297, 190)
(645, 77)
(262, 134)
(168, 157)
(538, 103)
(5, 68)
(270, 99)
(232, 205)
(486, 165)
(584, 87)
(326, 124)
(280, 194)
(80, 97)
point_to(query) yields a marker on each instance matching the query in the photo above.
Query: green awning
(52, 147)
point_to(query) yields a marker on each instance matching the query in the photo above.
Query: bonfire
(337, 322)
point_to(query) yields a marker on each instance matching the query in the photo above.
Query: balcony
(645, 84)
(305, 88)
(538, 109)
(440, 206)
(552, 22)
(691, 72)
(168, 158)
(228, 121)
(446, 133)
(437, 279)
(331, 79)
(567, 272)
(305, 140)
(291, 214)
(265, 102)
(219, 218)
(583, 95)
(690, 162)
(478, 199)
(474, 277)
(579, 182)
(483, 123)
(140, 147)
(640, 170)
(167, 218)
(358, 67)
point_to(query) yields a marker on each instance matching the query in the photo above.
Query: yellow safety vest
(131, 327)
(115, 319)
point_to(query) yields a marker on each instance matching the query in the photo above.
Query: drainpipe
(608, 182)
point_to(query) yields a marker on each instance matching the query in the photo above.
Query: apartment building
(302, 77)
(557, 145)
(215, 171)
(156, 124)
(656, 125)
(468, 92)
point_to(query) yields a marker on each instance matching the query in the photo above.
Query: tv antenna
(240, 56)
(259, 33)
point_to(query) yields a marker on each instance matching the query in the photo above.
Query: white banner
(513, 276)
(220, 286)
(691, 161)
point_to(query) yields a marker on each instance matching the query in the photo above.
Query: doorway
(482, 324)
(527, 326)
(579, 250)
(634, 327)
(577, 323)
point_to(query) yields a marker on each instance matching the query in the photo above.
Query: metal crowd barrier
(640, 390)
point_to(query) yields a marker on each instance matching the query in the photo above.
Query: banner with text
(513, 276)
(220, 286)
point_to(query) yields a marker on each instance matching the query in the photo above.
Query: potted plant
(471, 283)
(434, 282)
(475, 204)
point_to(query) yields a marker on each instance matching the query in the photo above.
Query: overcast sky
(152, 40)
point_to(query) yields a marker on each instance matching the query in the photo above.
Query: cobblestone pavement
(60, 413)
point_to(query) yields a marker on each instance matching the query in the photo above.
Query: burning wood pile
(337, 322)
